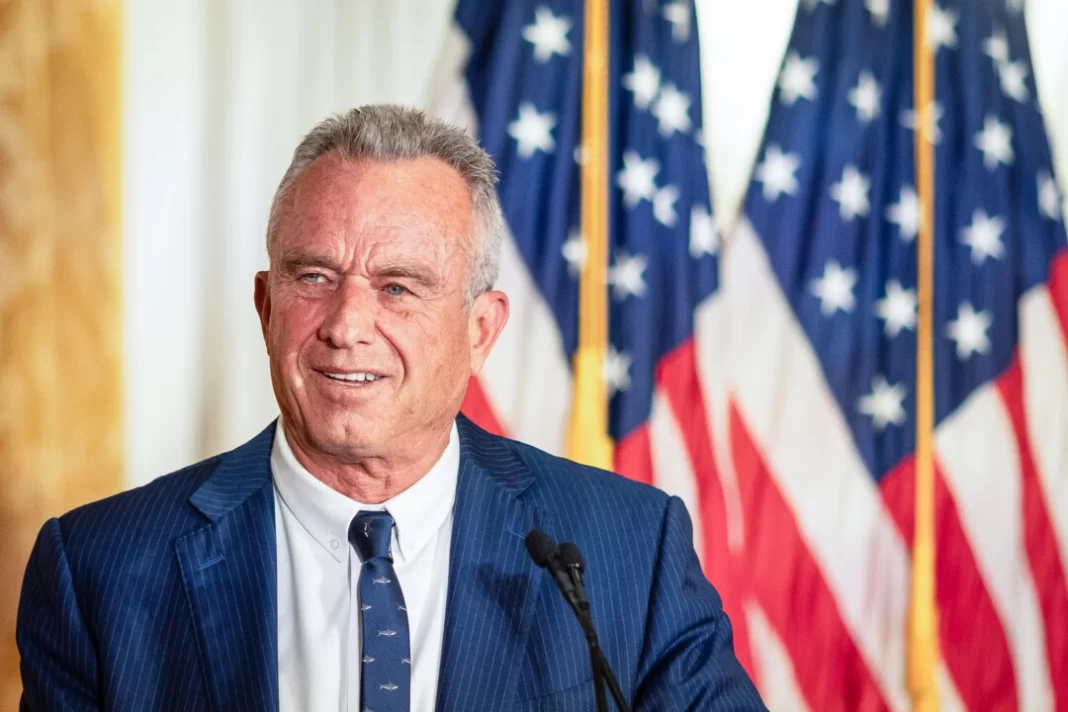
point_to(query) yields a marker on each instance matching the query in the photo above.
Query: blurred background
(768, 320)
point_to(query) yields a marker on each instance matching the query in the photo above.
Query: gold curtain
(60, 271)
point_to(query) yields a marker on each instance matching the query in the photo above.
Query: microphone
(571, 559)
(540, 546)
(566, 565)
(543, 551)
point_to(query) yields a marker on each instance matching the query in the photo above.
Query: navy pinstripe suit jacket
(164, 597)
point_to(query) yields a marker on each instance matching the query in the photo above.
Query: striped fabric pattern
(821, 399)
(782, 408)
(140, 601)
(163, 597)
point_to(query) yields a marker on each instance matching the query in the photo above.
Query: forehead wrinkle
(385, 257)
(327, 201)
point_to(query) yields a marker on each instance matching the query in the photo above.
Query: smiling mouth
(353, 379)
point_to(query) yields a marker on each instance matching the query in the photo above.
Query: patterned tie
(387, 666)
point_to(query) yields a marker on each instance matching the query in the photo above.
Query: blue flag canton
(525, 80)
(834, 201)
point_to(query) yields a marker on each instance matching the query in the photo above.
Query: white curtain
(219, 92)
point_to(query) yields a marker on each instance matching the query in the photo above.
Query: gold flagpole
(923, 615)
(588, 441)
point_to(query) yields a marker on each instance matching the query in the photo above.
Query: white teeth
(360, 376)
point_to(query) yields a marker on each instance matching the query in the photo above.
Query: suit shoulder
(562, 478)
(157, 506)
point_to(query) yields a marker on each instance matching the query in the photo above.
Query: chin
(343, 435)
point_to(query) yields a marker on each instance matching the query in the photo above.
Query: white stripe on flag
(948, 699)
(810, 452)
(980, 460)
(526, 378)
(710, 326)
(774, 668)
(672, 469)
(449, 98)
(1045, 384)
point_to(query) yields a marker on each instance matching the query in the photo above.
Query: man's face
(370, 343)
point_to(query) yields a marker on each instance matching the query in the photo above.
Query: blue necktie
(385, 674)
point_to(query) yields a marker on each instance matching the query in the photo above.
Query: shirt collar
(325, 513)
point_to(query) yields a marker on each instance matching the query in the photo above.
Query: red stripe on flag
(477, 407)
(786, 580)
(973, 642)
(1039, 539)
(1058, 289)
(634, 458)
(676, 377)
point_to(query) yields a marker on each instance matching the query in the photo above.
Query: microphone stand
(602, 672)
(597, 664)
(565, 565)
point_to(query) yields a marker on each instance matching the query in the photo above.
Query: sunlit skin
(368, 266)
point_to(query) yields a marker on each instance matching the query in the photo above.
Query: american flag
(770, 381)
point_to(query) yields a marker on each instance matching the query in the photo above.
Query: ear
(486, 320)
(262, 297)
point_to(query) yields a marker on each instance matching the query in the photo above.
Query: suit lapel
(229, 572)
(493, 584)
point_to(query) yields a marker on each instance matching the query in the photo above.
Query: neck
(371, 479)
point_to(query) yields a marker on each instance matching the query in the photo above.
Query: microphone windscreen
(571, 556)
(540, 546)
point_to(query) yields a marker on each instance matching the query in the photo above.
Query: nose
(350, 319)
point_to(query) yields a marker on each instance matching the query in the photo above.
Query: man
(366, 551)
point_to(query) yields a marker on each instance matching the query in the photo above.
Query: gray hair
(387, 132)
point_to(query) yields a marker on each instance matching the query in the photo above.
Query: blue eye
(395, 290)
(312, 278)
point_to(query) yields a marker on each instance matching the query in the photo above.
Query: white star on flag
(678, 14)
(984, 237)
(897, 309)
(884, 404)
(672, 111)
(851, 193)
(880, 11)
(969, 331)
(996, 46)
(643, 81)
(1049, 197)
(927, 121)
(995, 141)
(865, 97)
(637, 178)
(941, 28)
(835, 288)
(1013, 79)
(532, 131)
(627, 276)
(575, 251)
(796, 78)
(906, 213)
(776, 173)
(664, 205)
(548, 34)
(704, 238)
(616, 371)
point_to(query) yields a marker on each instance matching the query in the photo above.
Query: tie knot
(370, 534)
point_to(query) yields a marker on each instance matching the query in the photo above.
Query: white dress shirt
(318, 581)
